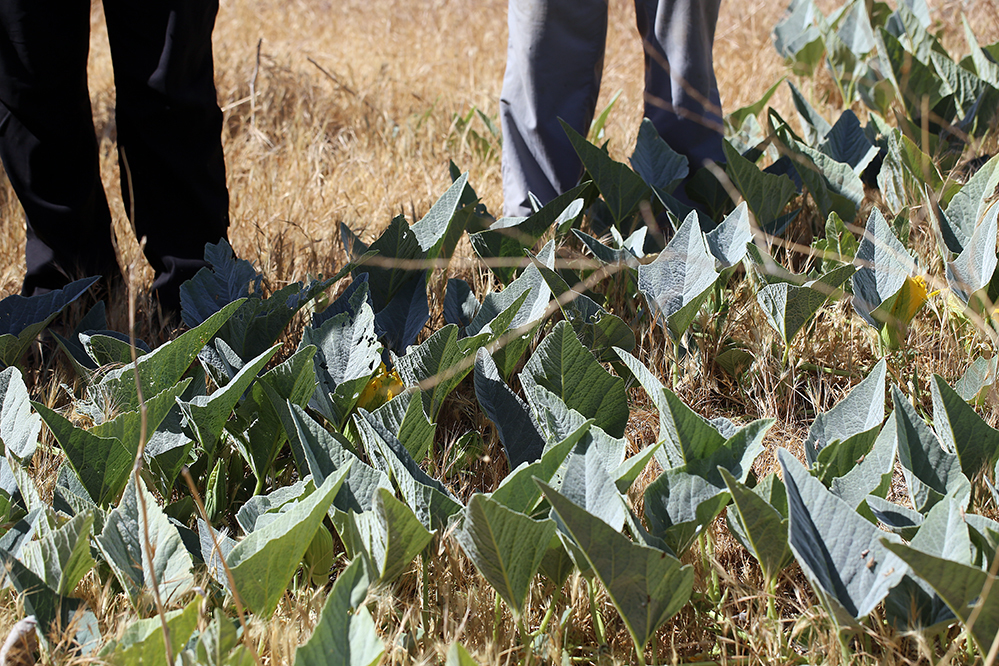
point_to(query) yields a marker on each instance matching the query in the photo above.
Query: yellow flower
(902, 308)
(384, 386)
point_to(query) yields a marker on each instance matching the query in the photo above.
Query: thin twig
(345, 87)
(253, 86)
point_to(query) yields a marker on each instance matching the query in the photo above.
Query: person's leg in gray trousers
(554, 61)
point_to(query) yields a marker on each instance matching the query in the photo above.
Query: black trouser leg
(169, 132)
(47, 141)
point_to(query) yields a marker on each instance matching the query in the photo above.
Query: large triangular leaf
(963, 431)
(460, 303)
(598, 330)
(160, 369)
(103, 455)
(404, 416)
(532, 306)
(347, 356)
(815, 126)
(587, 483)
(399, 323)
(264, 562)
(438, 365)
(677, 283)
(143, 641)
(862, 409)
(841, 553)
(25, 317)
(19, 426)
(54, 614)
(979, 375)
(846, 142)
(983, 63)
(322, 453)
(141, 544)
(764, 527)
(646, 585)
(684, 500)
(439, 230)
(622, 256)
(974, 269)
(899, 519)
(913, 604)
(391, 536)
(765, 194)
(961, 587)
(94, 320)
(669, 455)
(789, 308)
(345, 633)
(518, 492)
(872, 475)
(385, 276)
(727, 242)
(931, 472)
(797, 39)
(61, 557)
(522, 306)
(968, 206)
(224, 280)
(622, 189)
(258, 430)
(259, 322)
(522, 443)
(429, 499)
(658, 164)
(506, 547)
(563, 366)
(916, 83)
(883, 264)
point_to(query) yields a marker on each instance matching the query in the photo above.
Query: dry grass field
(348, 111)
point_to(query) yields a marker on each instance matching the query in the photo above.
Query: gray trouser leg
(555, 56)
(681, 94)
(554, 61)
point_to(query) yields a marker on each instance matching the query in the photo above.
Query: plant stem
(598, 621)
(526, 640)
(548, 614)
(844, 644)
(774, 617)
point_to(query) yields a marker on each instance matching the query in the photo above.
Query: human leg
(169, 132)
(554, 62)
(47, 142)
(681, 93)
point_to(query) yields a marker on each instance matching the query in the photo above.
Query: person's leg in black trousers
(47, 141)
(169, 132)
